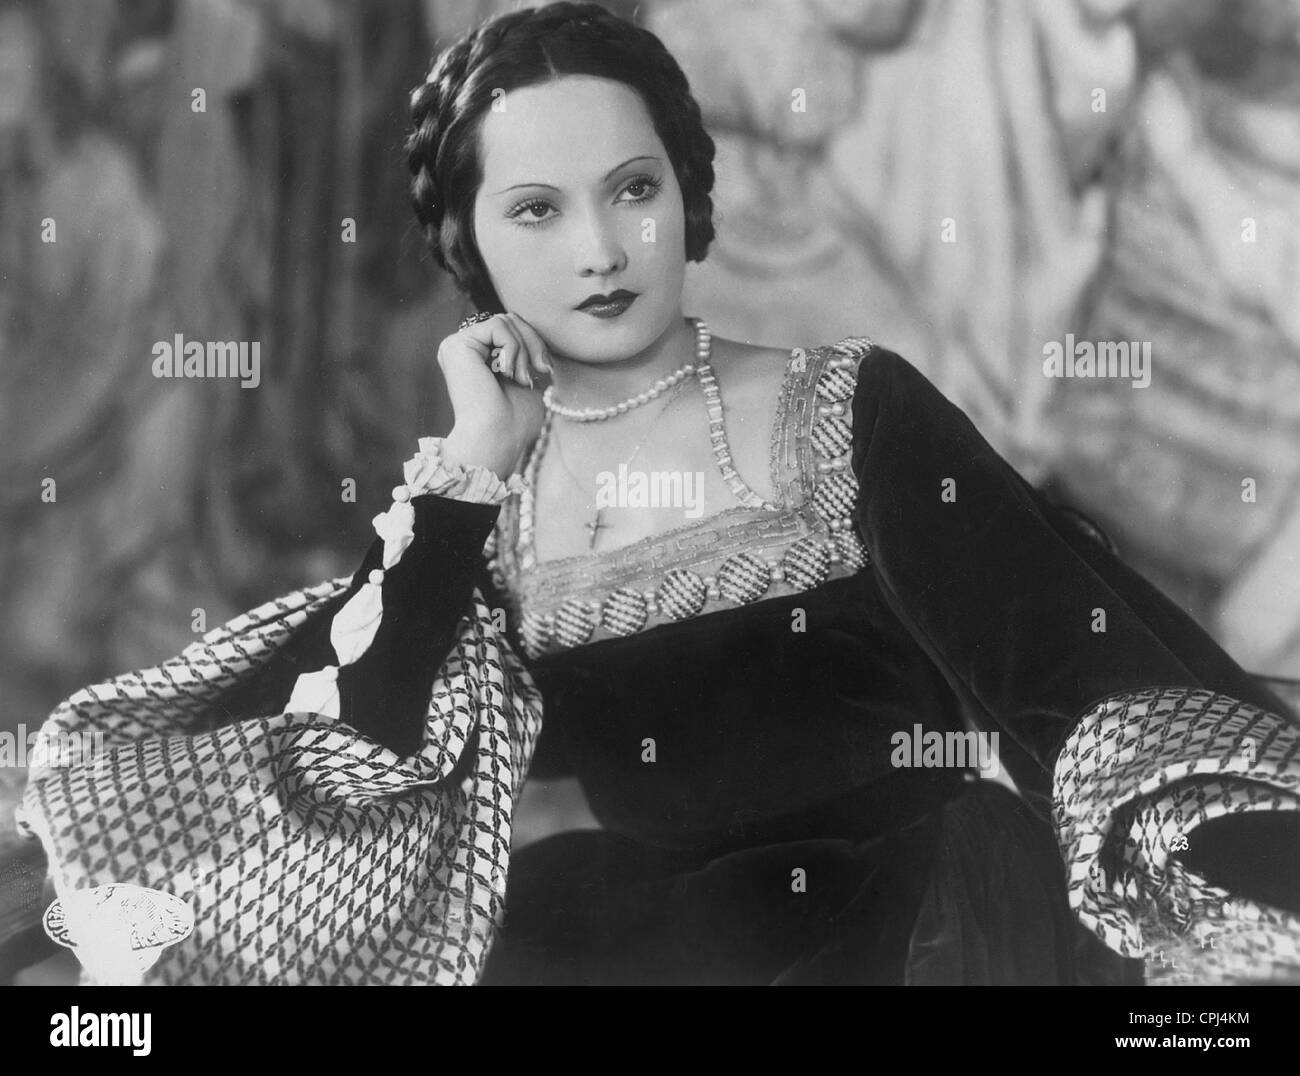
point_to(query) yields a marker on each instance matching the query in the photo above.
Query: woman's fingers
(519, 371)
(499, 342)
(512, 362)
(506, 347)
(511, 347)
(538, 357)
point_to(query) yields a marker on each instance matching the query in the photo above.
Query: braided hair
(524, 48)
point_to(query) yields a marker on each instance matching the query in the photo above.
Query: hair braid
(695, 166)
(430, 111)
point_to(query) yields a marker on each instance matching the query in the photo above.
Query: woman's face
(579, 198)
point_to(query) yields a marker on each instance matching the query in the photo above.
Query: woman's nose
(599, 251)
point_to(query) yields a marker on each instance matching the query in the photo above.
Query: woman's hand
(497, 410)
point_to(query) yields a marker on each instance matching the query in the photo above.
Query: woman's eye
(530, 213)
(642, 189)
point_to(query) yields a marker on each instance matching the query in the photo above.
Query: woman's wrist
(465, 447)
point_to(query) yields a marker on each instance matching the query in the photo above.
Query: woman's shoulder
(749, 374)
(754, 376)
(804, 409)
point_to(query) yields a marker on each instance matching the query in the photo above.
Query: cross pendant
(594, 527)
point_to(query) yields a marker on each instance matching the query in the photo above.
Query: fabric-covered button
(682, 594)
(832, 437)
(624, 612)
(807, 564)
(836, 497)
(837, 384)
(574, 622)
(535, 628)
(852, 551)
(744, 577)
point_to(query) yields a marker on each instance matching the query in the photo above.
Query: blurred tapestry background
(966, 182)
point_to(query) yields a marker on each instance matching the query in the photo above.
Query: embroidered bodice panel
(734, 557)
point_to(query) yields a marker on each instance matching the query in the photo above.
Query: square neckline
(526, 557)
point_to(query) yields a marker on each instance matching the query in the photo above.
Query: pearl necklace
(703, 349)
(717, 438)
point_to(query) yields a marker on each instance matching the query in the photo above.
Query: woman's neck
(603, 384)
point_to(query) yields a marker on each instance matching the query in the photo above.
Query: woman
(748, 584)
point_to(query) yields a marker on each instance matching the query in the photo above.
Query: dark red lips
(613, 298)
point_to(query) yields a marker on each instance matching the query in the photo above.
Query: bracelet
(474, 319)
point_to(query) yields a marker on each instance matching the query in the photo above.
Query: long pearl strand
(703, 348)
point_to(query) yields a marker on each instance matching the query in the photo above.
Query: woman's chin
(588, 339)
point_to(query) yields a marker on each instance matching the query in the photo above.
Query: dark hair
(524, 48)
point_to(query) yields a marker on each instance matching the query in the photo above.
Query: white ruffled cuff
(426, 472)
(355, 625)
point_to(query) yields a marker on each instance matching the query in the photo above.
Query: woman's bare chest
(602, 489)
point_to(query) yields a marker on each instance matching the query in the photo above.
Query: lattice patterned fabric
(311, 854)
(1135, 778)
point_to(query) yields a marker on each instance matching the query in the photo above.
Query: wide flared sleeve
(1108, 697)
(324, 784)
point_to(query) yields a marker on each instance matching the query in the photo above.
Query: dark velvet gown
(729, 697)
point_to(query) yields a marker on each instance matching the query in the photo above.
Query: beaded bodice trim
(734, 557)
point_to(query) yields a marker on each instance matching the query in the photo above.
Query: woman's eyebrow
(516, 186)
(552, 187)
(643, 157)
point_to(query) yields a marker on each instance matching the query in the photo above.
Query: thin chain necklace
(717, 437)
(595, 526)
